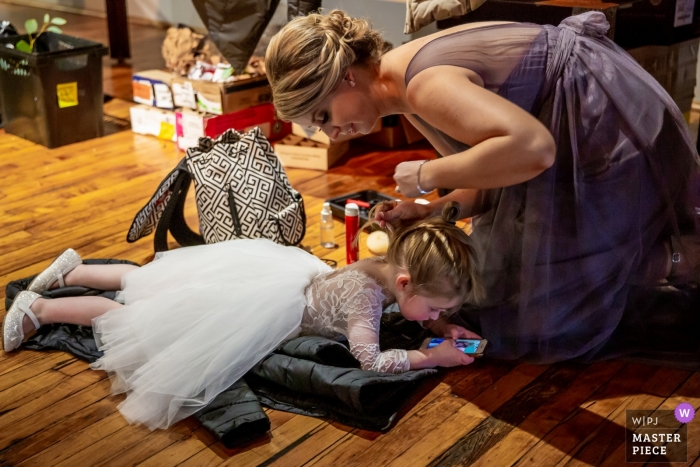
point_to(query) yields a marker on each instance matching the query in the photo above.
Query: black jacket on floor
(307, 375)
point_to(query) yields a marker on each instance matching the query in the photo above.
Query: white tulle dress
(197, 319)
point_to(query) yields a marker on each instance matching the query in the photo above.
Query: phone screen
(467, 346)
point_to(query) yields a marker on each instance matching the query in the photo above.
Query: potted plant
(51, 85)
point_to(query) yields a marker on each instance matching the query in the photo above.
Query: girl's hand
(406, 177)
(447, 355)
(395, 212)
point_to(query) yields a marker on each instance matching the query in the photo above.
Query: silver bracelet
(421, 190)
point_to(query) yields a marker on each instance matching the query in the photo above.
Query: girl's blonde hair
(309, 57)
(438, 256)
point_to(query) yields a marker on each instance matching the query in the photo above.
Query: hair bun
(310, 56)
(451, 212)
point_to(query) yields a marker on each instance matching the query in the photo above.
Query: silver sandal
(12, 332)
(65, 263)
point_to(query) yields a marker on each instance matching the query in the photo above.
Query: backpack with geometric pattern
(242, 191)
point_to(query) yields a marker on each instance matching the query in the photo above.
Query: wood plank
(535, 427)
(432, 444)
(150, 445)
(137, 189)
(72, 425)
(200, 439)
(106, 446)
(91, 439)
(495, 428)
(14, 360)
(73, 368)
(316, 444)
(27, 420)
(428, 416)
(609, 435)
(689, 392)
(49, 361)
(290, 432)
(29, 389)
(583, 422)
(182, 449)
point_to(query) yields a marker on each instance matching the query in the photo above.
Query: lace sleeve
(364, 311)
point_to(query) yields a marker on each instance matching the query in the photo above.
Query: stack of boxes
(310, 148)
(183, 110)
(662, 36)
(674, 67)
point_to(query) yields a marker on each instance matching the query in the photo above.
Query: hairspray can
(352, 226)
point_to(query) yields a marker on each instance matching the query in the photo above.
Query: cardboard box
(673, 66)
(315, 134)
(146, 120)
(191, 125)
(165, 90)
(302, 153)
(396, 131)
(656, 22)
(223, 98)
(184, 94)
(152, 87)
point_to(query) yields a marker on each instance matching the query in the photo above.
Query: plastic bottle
(352, 226)
(327, 234)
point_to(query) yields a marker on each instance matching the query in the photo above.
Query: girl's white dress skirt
(197, 319)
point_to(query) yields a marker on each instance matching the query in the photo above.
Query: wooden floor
(54, 410)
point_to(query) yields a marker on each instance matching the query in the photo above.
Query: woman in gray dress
(575, 165)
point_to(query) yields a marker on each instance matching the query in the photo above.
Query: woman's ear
(350, 78)
(403, 281)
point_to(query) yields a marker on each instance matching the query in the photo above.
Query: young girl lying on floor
(197, 319)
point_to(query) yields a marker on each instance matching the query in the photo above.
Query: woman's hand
(406, 177)
(447, 355)
(454, 331)
(441, 327)
(395, 212)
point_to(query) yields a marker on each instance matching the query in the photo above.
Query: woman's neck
(383, 90)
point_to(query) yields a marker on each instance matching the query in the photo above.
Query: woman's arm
(508, 145)
(396, 212)
(465, 198)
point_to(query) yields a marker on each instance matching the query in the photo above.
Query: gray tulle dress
(560, 254)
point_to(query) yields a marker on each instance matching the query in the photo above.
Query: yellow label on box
(167, 131)
(67, 94)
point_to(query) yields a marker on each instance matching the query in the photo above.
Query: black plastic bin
(53, 96)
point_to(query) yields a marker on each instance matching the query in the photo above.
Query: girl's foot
(15, 326)
(65, 263)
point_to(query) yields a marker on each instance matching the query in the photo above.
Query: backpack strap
(165, 211)
(148, 217)
(173, 217)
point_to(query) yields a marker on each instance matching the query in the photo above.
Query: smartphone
(473, 347)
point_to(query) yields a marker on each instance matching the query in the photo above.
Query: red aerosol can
(352, 226)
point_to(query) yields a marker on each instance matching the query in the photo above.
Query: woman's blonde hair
(309, 57)
(438, 256)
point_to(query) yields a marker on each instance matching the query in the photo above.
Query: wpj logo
(657, 435)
